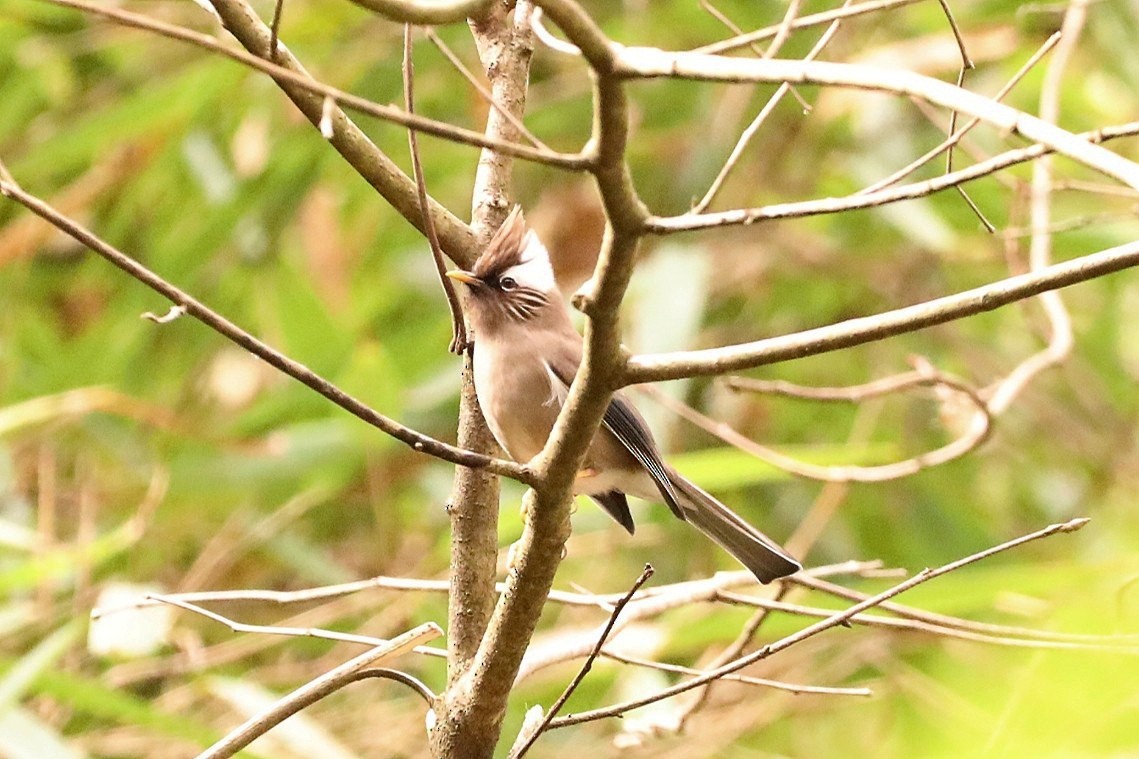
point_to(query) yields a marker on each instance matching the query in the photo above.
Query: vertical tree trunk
(464, 727)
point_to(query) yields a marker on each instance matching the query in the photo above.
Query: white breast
(516, 393)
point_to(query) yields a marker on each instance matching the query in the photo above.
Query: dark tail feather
(615, 503)
(766, 560)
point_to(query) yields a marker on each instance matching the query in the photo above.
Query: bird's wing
(624, 423)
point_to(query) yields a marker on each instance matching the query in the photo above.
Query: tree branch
(427, 12)
(803, 22)
(488, 680)
(469, 716)
(302, 81)
(317, 689)
(689, 222)
(593, 654)
(221, 325)
(830, 622)
(812, 342)
(652, 63)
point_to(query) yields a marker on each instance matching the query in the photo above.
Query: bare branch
(275, 28)
(764, 112)
(241, 627)
(215, 321)
(1021, 637)
(956, 135)
(722, 580)
(490, 675)
(830, 622)
(663, 225)
(427, 12)
(975, 434)
(664, 366)
(762, 682)
(410, 681)
(548, 39)
(966, 61)
(297, 78)
(733, 651)
(459, 341)
(1060, 340)
(561, 700)
(317, 689)
(457, 62)
(470, 714)
(651, 63)
(803, 22)
(814, 582)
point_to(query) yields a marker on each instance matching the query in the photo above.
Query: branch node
(327, 110)
(175, 312)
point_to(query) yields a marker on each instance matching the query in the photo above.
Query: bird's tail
(766, 560)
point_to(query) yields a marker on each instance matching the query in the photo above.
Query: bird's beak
(464, 276)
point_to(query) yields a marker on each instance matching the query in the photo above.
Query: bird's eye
(507, 283)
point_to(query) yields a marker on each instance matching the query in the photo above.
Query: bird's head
(512, 282)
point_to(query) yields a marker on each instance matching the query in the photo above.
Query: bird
(526, 354)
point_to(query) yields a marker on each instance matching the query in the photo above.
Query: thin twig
(978, 430)
(1100, 188)
(845, 394)
(461, 67)
(410, 681)
(275, 29)
(802, 22)
(1096, 643)
(735, 29)
(459, 341)
(537, 21)
(956, 623)
(561, 700)
(1083, 221)
(344, 99)
(215, 321)
(752, 128)
(786, 25)
(867, 329)
(650, 63)
(283, 630)
(317, 689)
(1060, 339)
(431, 12)
(835, 620)
(688, 222)
(966, 61)
(952, 131)
(734, 650)
(746, 679)
(241, 627)
(955, 136)
(721, 580)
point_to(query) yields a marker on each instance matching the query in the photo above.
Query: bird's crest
(504, 249)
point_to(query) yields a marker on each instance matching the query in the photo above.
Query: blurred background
(159, 456)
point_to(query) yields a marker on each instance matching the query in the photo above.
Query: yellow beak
(464, 276)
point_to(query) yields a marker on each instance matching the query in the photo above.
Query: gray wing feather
(628, 427)
(625, 424)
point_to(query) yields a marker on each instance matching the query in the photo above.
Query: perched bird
(527, 353)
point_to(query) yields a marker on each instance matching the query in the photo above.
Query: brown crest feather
(505, 248)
